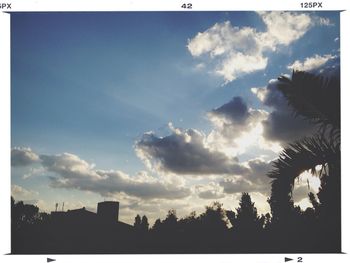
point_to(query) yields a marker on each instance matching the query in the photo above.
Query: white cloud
(311, 63)
(239, 51)
(238, 128)
(284, 27)
(323, 21)
(200, 66)
(76, 173)
(20, 193)
(68, 165)
(22, 156)
(72, 172)
(33, 172)
(304, 184)
(220, 38)
(234, 138)
(237, 64)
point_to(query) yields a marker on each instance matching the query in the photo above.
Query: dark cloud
(210, 191)
(184, 152)
(256, 180)
(236, 110)
(281, 125)
(258, 170)
(237, 185)
(233, 119)
(21, 156)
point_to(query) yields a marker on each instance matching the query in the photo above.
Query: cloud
(323, 21)
(236, 185)
(75, 173)
(33, 172)
(237, 128)
(256, 180)
(258, 172)
(310, 63)
(237, 51)
(304, 184)
(68, 165)
(301, 192)
(236, 110)
(71, 172)
(20, 193)
(22, 156)
(330, 69)
(281, 125)
(210, 191)
(282, 28)
(184, 152)
(238, 64)
(233, 119)
(220, 38)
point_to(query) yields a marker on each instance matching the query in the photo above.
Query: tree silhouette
(214, 218)
(190, 225)
(247, 221)
(317, 100)
(169, 224)
(144, 224)
(314, 202)
(313, 97)
(137, 223)
(300, 156)
(157, 226)
(24, 214)
(231, 216)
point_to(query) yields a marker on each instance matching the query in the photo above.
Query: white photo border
(165, 5)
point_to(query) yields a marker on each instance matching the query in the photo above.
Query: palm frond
(298, 157)
(305, 155)
(313, 97)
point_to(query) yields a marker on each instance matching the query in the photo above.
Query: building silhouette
(108, 210)
(107, 213)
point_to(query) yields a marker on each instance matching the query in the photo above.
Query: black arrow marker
(50, 260)
(287, 259)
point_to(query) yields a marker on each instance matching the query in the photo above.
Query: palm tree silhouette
(316, 99)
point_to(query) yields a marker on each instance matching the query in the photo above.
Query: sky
(158, 110)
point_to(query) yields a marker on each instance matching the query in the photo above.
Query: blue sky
(95, 84)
